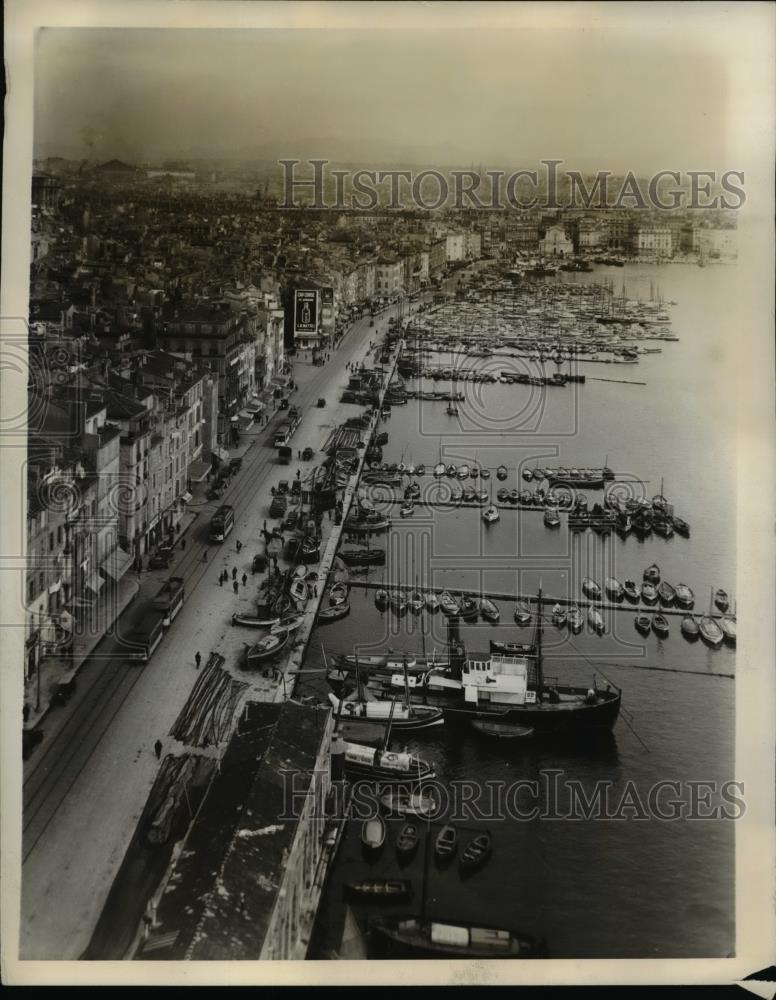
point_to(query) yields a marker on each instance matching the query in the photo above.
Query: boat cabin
(499, 679)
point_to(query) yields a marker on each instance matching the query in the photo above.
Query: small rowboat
(558, 616)
(710, 631)
(468, 608)
(416, 602)
(405, 803)
(501, 473)
(407, 509)
(591, 589)
(666, 593)
(648, 593)
(476, 853)
(728, 626)
(595, 621)
(381, 600)
(451, 470)
(265, 648)
(491, 514)
(420, 470)
(439, 470)
(484, 473)
(338, 593)
(489, 611)
(502, 495)
(522, 615)
(398, 603)
(574, 619)
(373, 833)
(501, 730)
(432, 602)
(652, 574)
(333, 613)
(614, 588)
(685, 598)
(287, 624)
(380, 890)
(722, 600)
(407, 841)
(528, 475)
(643, 624)
(631, 591)
(690, 628)
(660, 626)
(448, 605)
(446, 843)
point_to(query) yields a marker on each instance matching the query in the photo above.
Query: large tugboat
(510, 688)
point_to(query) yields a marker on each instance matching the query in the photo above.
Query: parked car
(64, 692)
(259, 563)
(235, 464)
(321, 402)
(283, 486)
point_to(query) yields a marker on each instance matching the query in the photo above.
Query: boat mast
(539, 664)
(406, 684)
(359, 694)
(387, 734)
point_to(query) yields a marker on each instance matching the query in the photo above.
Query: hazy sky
(594, 98)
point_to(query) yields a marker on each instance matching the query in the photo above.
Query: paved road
(90, 743)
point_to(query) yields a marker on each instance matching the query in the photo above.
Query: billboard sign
(305, 311)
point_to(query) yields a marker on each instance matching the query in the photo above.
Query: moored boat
(721, 599)
(447, 604)
(373, 832)
(363, 763)
(711, 633)
(595, 621)
(333, 613)
(575, 619)
(432, 601)
(490, 515)
(685, 598)
(446, 843)
(477, 852)
(666, 593)
(523, 615)
(689, 628)
(648, 593)
(559, 616)
(591, 589)
(552, 517)
(660, 626)
(381, 599)
(614, 588)
(338, 593)
(407, 840)
(501, 730)
(435, 939)
(380, 890)
(728, 626)
(489, 611)
(652, 574)
(631, 591)
(643, 624)
(265, 648)
(406, 803)
(501, 473)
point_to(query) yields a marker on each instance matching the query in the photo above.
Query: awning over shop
(185, 497)
(245, 420)
(198, 471)
(255, 407)
(95, 583)
(116, 565)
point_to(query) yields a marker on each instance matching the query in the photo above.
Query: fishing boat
(338, 593)
(398, 603)
(363, 557)
(289, 624)
(685, 598)
(407, 803)
(648, 593)
(660, 626)
(448, 604)
(265, 648)
(501, 473)
(721, 600)
(559, 616)
(446, 843)
(575, 619)
(652, 574)
(591, 589)
(523, 615)
(373, 832)
(728, 626)
(643, 624)
(250, 621)
(614, 588)
(552, 517)
(595, 621)
(381, 599)
(476, 853)
(467, 608)
(681, 527)
(364, 763)
(333, 613)
(631, 591)
(435, 939)
(666, 593)
(432, 602)
(407, 840)
(490, 515)
(489, 611)
(463, 471)
(416, 602)
(501, 730)
(380, 890)
(689, 627)
(366, 525)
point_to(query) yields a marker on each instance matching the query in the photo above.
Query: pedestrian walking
(239, 545)
(220, 579)
(204, 556)
(183, 544)
(234, 572)
(198, 658)
(236, 586)
(315, 591)
(158, 749)
(244, 578)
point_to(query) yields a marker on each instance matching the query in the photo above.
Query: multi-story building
(556, 243)
(473, 247)
(455, 247)
(653, 241)
(389, 277)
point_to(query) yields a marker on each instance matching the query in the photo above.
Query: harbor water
(631, 885)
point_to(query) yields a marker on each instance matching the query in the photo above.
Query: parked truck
(169, 600)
